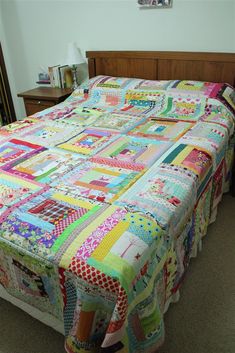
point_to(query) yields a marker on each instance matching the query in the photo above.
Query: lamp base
(75, 82)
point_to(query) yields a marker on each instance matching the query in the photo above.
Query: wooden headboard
(158, 65)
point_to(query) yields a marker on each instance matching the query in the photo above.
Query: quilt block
(193, 159)
(82, 117)
(152, 85)
(132, 152)
(217, 113)
(46, 224)
(117, 121)
(110, 82)
(15, 149)
(14, 189)
(182, 107)
(46, 166)
(89, 142)
(29, 280)
(107, 99)
(164, 192)
(142, 103)
(226, 95)
(207, 89)
(98, 182)
(211, 137)
(50, 134)
(10, 130)
(161, 129)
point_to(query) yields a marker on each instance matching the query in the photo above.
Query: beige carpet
(203, 321)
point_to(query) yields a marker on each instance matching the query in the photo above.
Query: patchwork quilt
(104, 199)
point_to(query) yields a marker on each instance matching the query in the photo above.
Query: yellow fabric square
(109, 240)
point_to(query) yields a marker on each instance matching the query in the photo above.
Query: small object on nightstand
(44, 82)
(38, 99)
(43, 78)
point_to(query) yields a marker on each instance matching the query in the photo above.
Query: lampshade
(74, 56)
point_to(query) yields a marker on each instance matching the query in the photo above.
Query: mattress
(105, 198)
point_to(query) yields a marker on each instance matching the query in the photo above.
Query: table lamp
(74, 58)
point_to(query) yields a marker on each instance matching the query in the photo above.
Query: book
(62, 70)
(54, 78)
(67, 77)
(50, 73)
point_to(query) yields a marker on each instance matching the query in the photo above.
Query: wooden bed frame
(158, 65)
(168, 65)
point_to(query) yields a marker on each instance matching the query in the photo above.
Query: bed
(106, 197)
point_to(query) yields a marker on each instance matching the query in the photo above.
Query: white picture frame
(155, 4)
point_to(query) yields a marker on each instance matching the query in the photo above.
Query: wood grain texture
(155, 65)
(6, 97)
(35, 106)
(126, 67)
(91, 67)
(196, 70)
(179, 55)
(38, 99)
(51, 93)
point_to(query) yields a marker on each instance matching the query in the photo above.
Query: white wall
(37, 32)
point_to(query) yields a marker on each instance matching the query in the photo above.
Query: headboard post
(91, 67)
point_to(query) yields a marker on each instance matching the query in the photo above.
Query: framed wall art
(155, 4)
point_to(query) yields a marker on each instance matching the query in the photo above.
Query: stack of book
(60, 76)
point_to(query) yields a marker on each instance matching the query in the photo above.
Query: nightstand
(41, 98)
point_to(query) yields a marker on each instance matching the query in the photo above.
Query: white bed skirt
(45, 318)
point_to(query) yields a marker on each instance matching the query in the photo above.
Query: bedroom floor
(203, 321)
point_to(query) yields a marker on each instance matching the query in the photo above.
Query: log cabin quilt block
(142, 103)
(32, 282)
(164, 191)
(46, 166)
(81, 117)
(14, 149)
(14, 189)
(117, 121)
(217, 113)
(101, 182)
(51, 133)
(161, 129)
(132, 152)
(48, 220)
(181, 106)
(18, 127)
(207, 89)
(89, 141)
